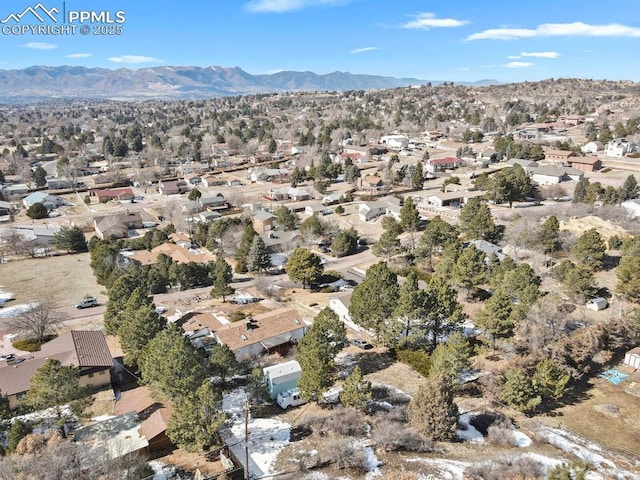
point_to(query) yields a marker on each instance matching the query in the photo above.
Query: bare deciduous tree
(39, 320)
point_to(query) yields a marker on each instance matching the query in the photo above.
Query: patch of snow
(267, 436)
(332, 395)
(161, 471)
(6, 296)
(522, 440)
(371, 463)
(16, 310)
(384, 405)
(468, 432)
(102, 418)
(548, 462)
(51, 413)
(446, 469)
(392, 390)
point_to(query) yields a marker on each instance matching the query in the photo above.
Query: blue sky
(455, 40)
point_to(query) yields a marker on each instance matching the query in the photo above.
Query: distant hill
(37, 83)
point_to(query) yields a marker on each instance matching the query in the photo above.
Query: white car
(290, 398)
(87, 303)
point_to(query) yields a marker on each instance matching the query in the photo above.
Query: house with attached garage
(87, 351)
(281, 377)
(48, 200)
(368, 211)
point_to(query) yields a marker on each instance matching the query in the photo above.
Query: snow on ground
(16, 310)
(371, 463)
(6, 296)
(468, 432)
(393, 391)
(161, 471)
(267, 436)
(587, 451)
(446, 469)
(52, 413)
(522, 440)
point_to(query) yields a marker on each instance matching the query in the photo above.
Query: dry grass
(67, 278)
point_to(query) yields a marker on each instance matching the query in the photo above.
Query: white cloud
(78, 55)
(40, 46)
(514, 57)
(134, 59)
(518, 64)
(429, 20)
(574, 29)
(282, 6)
(540, 54)
(365, 49)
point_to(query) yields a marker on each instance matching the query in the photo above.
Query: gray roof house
(48, 200)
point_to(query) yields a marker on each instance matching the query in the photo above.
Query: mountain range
(188, 82)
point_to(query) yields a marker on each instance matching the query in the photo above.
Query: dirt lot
(67, 278)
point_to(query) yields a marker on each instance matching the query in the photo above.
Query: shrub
(393, 436)
(30, 344)
(339, 210)
(237, 316)
(500, 435)
(507, 467)
(417, 359)
(614, 242)
(346, 453)
(347, 422)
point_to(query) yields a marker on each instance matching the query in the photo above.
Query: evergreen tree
(388, 244)
(140, 323)
(628, 274)
(629, 188)
(417, 177)
(374, 300)
(451, 358)
(345, 242)
(580, 192)
(518, 391)
(432, 410)
(70, 239)
(223, 362)
(243, 248)
(119, 294)
(170, 365)
(410, 313)
(37, 211)
(476, 221)
(510, 185)
(356, 392)
(19, 429)
(194, 195)
(548, 235)
(435, 237)
(316, 352)
(549, 380)
(222, 277)
(495, 319)
(39, 176)
(286, 219)
(258, 257)
(590, 250)
(313, 226)
(409, 216)
(445, 312)
(54, 384)
(470, 268)
(303, 266)
(196, 420)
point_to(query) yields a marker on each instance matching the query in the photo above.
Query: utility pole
(246, 438)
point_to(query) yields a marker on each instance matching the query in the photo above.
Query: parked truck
(290, 398)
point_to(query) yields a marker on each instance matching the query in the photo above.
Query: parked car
(290, 398)
(363, 344)
(87, 303)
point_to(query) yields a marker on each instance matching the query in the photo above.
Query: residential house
(362, 150)
(36, 235)
(632, 358)
(275, 175)
(340, 304)
(15, 189)
(48, 200)
(280, 240)
(525, 164)
(592, 147)
(371, 182)
(85, 350)
(216, 202)
(261, 158)
(449, 199)
(368, 211)
(617, 148)
(315, 208)
(193, 167)
(331, 198)
(263, 333)
(7, 208)
(562, 156)
(118, 436)
(171, 187)
(441, 164)
(58, 183)
(193, 179)
(281, 377)
(586, 164)
(205, 217)
(395, 142)
(263, 221)
(117, 225)
(108, 194)
(553, 175)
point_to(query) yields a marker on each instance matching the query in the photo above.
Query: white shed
(632, 358)
(597, 303)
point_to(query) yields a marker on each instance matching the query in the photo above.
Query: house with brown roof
(178, 254)
(586, 164)
(117, 225)
(107, 194)
(263, 333)
(558, 155)
(86, 350)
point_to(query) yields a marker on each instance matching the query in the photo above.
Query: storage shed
(632, 358)
(597, 303)
(281, 377)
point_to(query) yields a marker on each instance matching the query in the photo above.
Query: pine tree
(470, 268)
(410, 313)
(258, 257)
(580, 192)
(435, 237)
(243, 248)
(303, 265)
(409, 216)
(222, 277)
(285, 218)
(495, 319)
(518, 391)
(356, 392)
(629, 188)
(222, 362)
(590, 250)
(549, 380)
(374, 300)
(70, 239)
(548, 235)
(476, 222)
(417, 177)
(432, 410)
(53, 384)
(445, 312)
(451, 358)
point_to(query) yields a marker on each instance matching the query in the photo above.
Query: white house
(592, 147)
(48, 200)
(368, 211)
(553, 175)
(616, 148)
(395, 142)
(340, 306)
(632, 358)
